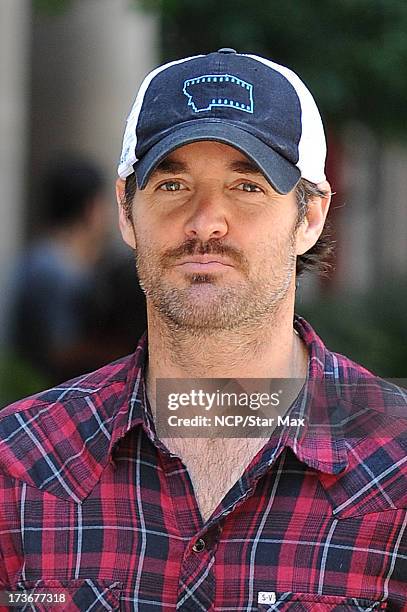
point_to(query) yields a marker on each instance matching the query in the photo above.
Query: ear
(311, 228)
(125, 224)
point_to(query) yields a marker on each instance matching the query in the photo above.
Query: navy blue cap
(259, 107)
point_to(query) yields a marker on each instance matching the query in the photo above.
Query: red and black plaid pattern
(94, 507)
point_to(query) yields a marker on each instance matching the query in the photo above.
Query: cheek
(157, 232)
(151, 241)
(143, 229)
(274, 246)
(273, 230)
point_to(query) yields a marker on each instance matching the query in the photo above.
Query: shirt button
(199, 545)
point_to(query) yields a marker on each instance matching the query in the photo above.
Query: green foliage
(18, 380)
(352, 53)
(51, 7)
(370, 329)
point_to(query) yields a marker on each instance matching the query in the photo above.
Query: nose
(207, 215)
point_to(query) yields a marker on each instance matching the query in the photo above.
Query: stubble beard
(210, 303)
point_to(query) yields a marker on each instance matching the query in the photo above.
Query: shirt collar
(319, 443)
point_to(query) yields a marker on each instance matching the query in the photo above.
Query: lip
(204, 263)
(196, 266)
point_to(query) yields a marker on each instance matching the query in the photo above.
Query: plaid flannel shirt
(94, 507)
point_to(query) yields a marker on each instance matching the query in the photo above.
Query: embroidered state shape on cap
(259, 107)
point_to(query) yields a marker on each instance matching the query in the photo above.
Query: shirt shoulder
(361, 388)
(59, 440)
(371, 414)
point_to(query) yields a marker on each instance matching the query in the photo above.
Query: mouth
(204, 264)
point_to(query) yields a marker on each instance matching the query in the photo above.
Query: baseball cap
(259, 107)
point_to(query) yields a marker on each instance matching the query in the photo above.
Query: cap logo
(211, 90)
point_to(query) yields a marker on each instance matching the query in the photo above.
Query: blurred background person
(74, 304)
(51, 312)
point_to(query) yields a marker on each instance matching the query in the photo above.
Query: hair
(317, 259)
(70, 183)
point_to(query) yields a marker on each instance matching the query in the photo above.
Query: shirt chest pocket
(307, 602)
(69, 595)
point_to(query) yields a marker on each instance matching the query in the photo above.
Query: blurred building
(14, 138)
(67, 77)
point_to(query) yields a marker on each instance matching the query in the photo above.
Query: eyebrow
(245, 167)
(171, 166)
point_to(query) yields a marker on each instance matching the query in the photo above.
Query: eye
(249, 188)
(171, 186)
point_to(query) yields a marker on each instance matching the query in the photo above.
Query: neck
(270, 350)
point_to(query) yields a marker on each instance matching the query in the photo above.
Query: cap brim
(282, 174)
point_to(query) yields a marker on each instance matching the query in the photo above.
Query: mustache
(194, 246)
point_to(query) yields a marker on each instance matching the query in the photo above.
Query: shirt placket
(197, 584)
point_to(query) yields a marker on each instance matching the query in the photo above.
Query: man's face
(215, 243)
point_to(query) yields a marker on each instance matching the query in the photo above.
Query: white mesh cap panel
(312, 145)
(128, 156)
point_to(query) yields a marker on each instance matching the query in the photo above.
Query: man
(220, 153)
